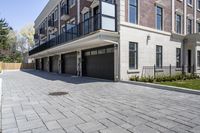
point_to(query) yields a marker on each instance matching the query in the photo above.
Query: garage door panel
(70, 63)
(54, 63)
(37, 64)
(99, 65)
(45, 64)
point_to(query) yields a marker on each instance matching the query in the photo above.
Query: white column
(78, 11)
(185, 17)
(195, 57)
(195, 16)
(173, 16)
(79, 63)
(116, 62)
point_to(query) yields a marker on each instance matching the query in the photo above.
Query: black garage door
(69, 63)
(45, 65)
(99, 63)
(54, 64)
(37, 63)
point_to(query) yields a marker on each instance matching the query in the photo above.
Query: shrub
(165, 78)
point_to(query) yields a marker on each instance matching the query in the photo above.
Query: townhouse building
(116, 39)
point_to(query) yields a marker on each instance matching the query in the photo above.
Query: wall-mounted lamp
(148, 37)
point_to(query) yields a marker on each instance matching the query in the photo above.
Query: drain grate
(58, 93)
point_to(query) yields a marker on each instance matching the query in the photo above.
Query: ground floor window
(198, 58)
(133, 55)
(159, 55)
(178, 57)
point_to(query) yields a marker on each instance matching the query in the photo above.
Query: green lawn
(191, 84)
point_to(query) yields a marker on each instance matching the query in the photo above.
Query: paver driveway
(93, 106)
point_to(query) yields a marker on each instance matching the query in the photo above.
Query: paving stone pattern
(92, 106)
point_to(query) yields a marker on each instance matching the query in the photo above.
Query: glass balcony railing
(106, 20)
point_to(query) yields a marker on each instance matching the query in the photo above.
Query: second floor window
(159, 56)
(71, 3)
(178, 24)
(133, 55)
(189, 2)
(56, 15)
(189, 26)
(133, 11)
(178, 57)
(198, 4)
(159, 18)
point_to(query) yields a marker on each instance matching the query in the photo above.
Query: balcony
(64, 13)
(43, 32)
(105, 21)
(36, 36)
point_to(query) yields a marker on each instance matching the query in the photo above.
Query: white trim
(130, 25)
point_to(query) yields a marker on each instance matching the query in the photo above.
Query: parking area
(92, 106)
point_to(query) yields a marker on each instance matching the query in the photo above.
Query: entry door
(189, 61)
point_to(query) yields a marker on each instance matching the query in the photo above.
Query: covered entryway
(45, 64)
(69, 63)
(98, 62)
(54, 62)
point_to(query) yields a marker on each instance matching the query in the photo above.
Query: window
(159, 55)
(178, 24)
(189, 2)
(56, 15)
(198, 27)
(198, 58)
(86, 22)
(133, 11)
(189, 27)
(198, 4)
(71, 3)
(159, 18)
(133, 55)
(178, 57)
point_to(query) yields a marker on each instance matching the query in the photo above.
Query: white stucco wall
(198, 69)
(146, 51)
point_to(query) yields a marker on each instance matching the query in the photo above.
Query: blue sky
(19, 13)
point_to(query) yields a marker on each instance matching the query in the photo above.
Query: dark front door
(99, 63)
(69, 63)
(189, 61)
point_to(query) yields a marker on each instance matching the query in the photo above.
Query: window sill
(159, 70)
(135, 71)
(178, 69)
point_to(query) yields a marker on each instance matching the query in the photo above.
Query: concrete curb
(164, 87)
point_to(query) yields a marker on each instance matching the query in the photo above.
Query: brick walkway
(93, 106)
